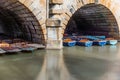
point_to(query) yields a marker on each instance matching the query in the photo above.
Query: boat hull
(11, 49)
(38, 46)
(69, 44)
(28, 49)
(112, 42)
(86, 44)
(2, 51)
(100, 43)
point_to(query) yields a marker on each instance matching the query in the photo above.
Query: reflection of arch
(54, 68)
(20, 21)
(113, 69)
(106, 3)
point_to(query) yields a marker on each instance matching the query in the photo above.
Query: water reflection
(113, 69)
(77, 63)
(81, 63)
(54, 67)
(89, 49)
(113, 49)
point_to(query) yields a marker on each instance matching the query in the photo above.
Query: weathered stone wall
(68, 8)
(28, 14)
(38, 8)
(54, 36)
(54, 15)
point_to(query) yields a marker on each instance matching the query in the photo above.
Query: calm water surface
(71, 63)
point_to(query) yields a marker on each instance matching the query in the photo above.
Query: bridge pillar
(54, 25)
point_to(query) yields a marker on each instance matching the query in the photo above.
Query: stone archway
(23, 19)
(93, 19)
(111, 5)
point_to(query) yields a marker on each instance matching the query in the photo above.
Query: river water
(71, 63)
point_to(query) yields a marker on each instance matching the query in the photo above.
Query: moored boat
(24, 47)
(11, 49)
(85, 43)
(69, 42)
(111, 41)
(91, 38)
(99, 42)
(2, 51)
(28, 49)
(9, 41)
(38, 46)
(100, 37)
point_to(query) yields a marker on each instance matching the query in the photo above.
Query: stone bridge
(45, 21)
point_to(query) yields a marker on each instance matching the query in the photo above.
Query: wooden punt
(100, 37)
(24, 47)
(69, 42)
(85, 43)
(99, 42)
(11, 49)
(111, 41)
(38, 46)
(9, 41)
(91, 38)
(78, 38)
(28, 49)
(2, 51)
(6, 47)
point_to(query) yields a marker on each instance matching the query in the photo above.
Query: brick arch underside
(17, 21)
(93, 19)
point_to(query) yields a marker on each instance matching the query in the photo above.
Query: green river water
(71, 63)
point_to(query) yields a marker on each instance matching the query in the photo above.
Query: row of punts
(88, 41)
(18, 45)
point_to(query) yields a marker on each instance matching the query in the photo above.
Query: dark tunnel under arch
(17, 21)
(93, 19)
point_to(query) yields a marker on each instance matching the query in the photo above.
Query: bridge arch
(106, 9)
(22, 19)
